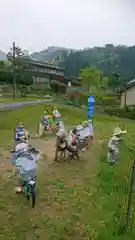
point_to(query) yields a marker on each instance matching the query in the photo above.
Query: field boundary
(9, 106)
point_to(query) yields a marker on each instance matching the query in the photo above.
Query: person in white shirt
(61, 133)
(21, 146)
(56, 113)
(61, 137)
(113, 148)
(72, 137)
(91, 132)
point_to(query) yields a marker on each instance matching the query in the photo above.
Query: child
(49, 117)
(91, 132)
(73, 138)
(72, 143)
(20, 132)
(42, 125)
(61, 138)
(56, 114)
(22, 146)
(113, 142)
(55, 118)
(87, 133)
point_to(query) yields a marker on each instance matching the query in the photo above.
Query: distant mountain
(3, 56)
(51, 54)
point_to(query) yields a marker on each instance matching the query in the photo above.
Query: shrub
(100, 100)
(107, 101)
(127, 112)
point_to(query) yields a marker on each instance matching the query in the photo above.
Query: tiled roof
(43, 64)
(129, 84)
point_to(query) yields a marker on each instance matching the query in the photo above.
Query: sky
(37, 24)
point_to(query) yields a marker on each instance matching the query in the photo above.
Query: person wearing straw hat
(113, 149)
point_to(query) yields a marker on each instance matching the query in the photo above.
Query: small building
(73, 82)
(127, 95)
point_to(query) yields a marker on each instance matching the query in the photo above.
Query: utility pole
(14, 73)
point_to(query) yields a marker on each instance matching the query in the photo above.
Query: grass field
(80, 200)
(10, 99)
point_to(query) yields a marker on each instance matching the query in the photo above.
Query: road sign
(91, 101)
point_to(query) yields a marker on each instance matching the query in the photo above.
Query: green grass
(74, 201)
(30, 116)
(7, 100)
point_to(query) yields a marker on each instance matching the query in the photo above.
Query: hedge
(128, 112)
(105, 100)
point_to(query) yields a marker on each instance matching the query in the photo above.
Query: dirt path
(45, 146)
(59, 188)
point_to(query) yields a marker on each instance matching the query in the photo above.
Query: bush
(121, 112)
(107, 101)
(100, 100)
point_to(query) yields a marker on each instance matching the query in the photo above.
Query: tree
(5, 72)
(90, 77)
(124, 86)
(53, 62)
(19, 54)
(2, 64)
(114, 81)
(104, 83)
(26, 79)
(16, 57)
(110, 59)
(5, 66)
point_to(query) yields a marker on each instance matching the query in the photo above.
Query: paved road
(10, 106)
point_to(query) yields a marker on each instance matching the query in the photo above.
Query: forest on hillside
(111, 60)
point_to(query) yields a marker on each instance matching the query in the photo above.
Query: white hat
(60, 124)
(118, 131)
(90, 121)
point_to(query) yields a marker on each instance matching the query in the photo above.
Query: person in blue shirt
(25, 163)
(44, 118)
(20, 132)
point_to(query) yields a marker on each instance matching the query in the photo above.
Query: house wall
(46, 80)
(40, 80)
(130, 97)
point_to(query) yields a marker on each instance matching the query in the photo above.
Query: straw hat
(118, 131)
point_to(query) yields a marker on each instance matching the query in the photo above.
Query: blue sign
(91, 101)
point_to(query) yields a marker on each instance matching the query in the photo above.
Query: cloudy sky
(36, 24)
